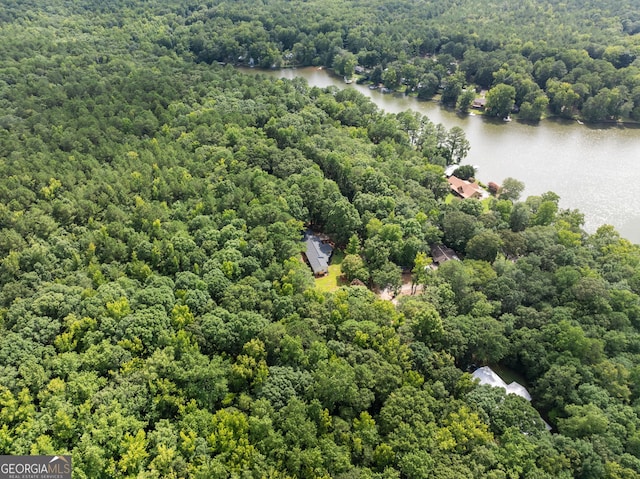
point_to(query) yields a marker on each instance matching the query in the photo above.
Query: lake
(594, 168)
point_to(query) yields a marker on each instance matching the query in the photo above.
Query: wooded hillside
(156, 318)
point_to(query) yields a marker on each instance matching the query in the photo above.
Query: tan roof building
(465, 189)
(479, 103)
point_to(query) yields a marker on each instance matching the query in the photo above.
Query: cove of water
(594, 168)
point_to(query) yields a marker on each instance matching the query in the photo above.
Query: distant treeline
(576, 58)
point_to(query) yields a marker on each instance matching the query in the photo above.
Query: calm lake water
(595, 169)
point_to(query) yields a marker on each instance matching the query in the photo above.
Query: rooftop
(465, 189)
(441, 253)
(486, 375)
(318, 253)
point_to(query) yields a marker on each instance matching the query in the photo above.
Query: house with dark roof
(318, 253)
(465, 189)
(441, 253)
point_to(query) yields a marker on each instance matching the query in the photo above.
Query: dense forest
(535, 57)
(156, 318)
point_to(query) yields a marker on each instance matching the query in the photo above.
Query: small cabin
(479, 103)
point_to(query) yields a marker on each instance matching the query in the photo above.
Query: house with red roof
(465, 189)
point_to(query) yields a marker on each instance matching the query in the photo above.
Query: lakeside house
(318, 253)
(479, 103)
(465, 189)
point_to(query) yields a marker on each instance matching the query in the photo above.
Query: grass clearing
(332, 281)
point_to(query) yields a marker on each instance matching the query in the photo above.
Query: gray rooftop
(441, 253)
(318, 253)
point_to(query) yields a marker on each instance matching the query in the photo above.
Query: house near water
(466, 189)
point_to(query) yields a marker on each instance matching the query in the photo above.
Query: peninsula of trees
(156, 318)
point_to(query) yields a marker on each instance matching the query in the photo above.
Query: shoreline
(622, 123)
